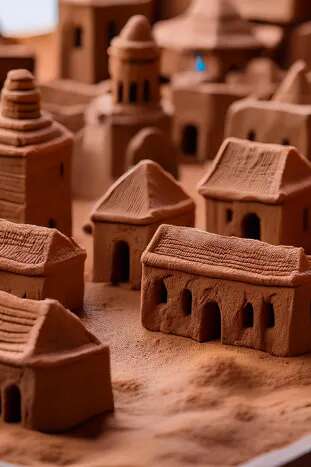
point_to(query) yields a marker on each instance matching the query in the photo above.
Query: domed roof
(137, 29)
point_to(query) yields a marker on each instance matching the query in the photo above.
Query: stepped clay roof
(143, 195)
(207, 25)
(202, 253)
(23, 127)
(296, 86)
(32, 250)
(248, 171)
(32, 328)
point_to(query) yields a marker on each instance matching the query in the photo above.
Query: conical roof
(143, 195)
(207, 25)
(296, 87)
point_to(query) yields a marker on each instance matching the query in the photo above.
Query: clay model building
(213, 30)
(38, 262)
(135, 101)
(48, 358)
(14, 56)
(259, 191)
(245, 292)
(127, 217)
(283, 120)
(35, 158)
(85, 31)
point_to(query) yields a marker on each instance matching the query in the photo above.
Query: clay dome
(137, 29)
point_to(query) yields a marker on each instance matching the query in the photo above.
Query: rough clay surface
(178, 403)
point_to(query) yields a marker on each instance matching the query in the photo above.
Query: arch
(120, 272)
(251, 135)
(229, 215)
(189, 143)
(269, 314)
(120, 91)
(251, 227)
(161, 292)
(146, 91)
(211, 322)
(12, 404)
(248, 316)
(187, 302)
(133, 93)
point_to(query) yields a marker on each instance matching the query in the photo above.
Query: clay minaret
(35, 158)
(135, 66)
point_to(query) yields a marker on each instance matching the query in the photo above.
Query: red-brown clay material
(48, 358)
(283, 12)
(127, 217)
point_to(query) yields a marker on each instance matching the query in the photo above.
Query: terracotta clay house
(259, 191)
(127, 217)
(35, 158)
(37, 263)
(48, 358)
(85, 32)
(283, 120)
(213, 30)
(134, 67)
(244, 292)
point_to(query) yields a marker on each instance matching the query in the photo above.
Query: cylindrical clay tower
(35, 158)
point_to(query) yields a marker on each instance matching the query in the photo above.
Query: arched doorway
(189, 144)
(211, 322)
(12, 404)
(120, 263)
(251, 227)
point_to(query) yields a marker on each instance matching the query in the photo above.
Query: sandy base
(178, 403)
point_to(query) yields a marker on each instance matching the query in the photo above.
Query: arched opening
(211, 322)
(190, 140)
(251, 135)
(285, 142)
(229, 216)
(269, 315)
(112, 31)
(146, 91)
(78, 37)
(251, 227)
(52, 224)
(12, 404)
(120, 92)
(120, 263)
(161, 292)
(187, 302)
(248, 316)
(133, 93)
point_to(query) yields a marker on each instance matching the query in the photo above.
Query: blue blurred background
(19, 17)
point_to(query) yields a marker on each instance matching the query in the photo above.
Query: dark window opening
(120, 92)
(120, 263)
(248, 316)
(146, 91)
(162, 292)
(187, 302)
(52, 224)
(269, 315)
(229, 215)
(133, 93)
(62, 169)
(251, 135)
(190, 140)
(12, 404)
(78, 37)
(112, 31)
(286, 142)
(305, 219)
(251, 227)
(211, 322)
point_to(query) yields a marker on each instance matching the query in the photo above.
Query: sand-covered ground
(178, 403)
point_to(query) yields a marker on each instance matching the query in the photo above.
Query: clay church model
(35, 158)
(134, 68)
(127, 217)
(48, 358)
(245, 292)
(37, 263)
(259, 191)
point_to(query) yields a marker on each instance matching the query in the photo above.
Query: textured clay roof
(296, 86)
(29, 328)
(33, 250)
(143, 195)
(216, 256)
(248, 171)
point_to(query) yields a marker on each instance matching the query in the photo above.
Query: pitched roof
(248, 171)
(296, 86)
(32, 328)
(207, 25)
(194, 251)
(32, 250)
(143, 195)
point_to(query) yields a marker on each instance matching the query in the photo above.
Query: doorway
(12, 402)
(120, 263)
(251, 227)
(190, 141)
(211, 322)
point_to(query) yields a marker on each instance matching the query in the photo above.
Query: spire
(137, 29)
(20, 99)
(296, 88)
